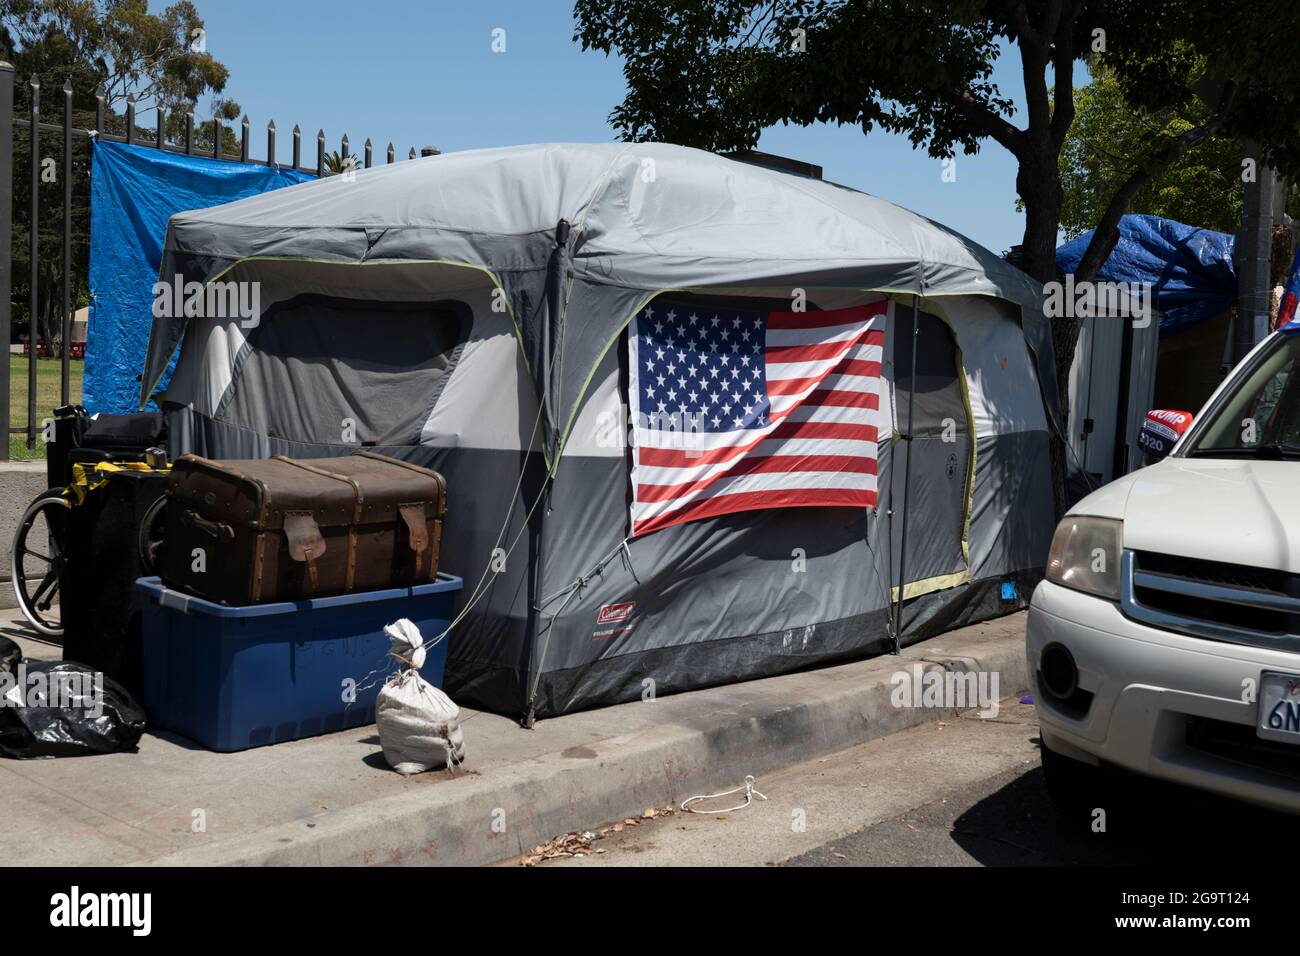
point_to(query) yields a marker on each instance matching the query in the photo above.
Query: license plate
(1279, 707)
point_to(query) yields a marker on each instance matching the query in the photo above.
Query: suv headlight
(1085, 555)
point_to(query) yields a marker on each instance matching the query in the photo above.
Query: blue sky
(422, 72)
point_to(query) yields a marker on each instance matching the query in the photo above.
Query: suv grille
(1212, 599)
(1237, 742)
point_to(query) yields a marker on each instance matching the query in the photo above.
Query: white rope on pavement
(750, 794)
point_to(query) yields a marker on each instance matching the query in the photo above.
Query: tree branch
(1106, 234)
(1033, 65)
(762, 20)
(1063, 51)
(988, 123)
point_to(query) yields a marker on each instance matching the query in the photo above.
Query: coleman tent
(669, 391)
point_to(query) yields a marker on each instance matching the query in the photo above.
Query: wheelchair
(81, 456)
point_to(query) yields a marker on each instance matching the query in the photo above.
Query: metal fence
(12, 125)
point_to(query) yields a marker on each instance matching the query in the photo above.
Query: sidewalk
(333, 800)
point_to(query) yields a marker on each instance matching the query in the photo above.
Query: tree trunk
(50, 326)
(1039, 185)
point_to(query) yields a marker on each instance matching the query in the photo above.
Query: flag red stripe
(841, 399)
(821, 320)
(758, 501)
(685, 458)
(828, 398)
(858, 367)
(766, 465)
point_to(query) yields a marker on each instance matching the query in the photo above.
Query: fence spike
(369, 152)
(130, 119)
(391, 153)
(320, 154)
(243, 139)
(297, 146)
(270, 143)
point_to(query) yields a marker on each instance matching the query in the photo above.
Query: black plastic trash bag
(11, 655)
(65, 709)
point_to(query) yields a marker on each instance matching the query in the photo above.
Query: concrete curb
(707, 741)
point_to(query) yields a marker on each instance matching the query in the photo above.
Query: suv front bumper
(1148, 695)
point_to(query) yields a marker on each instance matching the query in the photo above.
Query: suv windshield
(1261, 418)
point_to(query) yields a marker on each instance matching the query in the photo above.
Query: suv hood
(1237, 510)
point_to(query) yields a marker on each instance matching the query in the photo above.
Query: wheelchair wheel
(150, 539)
(38, 558)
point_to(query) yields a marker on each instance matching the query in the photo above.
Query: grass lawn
(48, 398)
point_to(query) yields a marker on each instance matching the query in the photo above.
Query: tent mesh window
(345, 371)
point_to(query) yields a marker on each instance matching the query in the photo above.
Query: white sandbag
(419, 725)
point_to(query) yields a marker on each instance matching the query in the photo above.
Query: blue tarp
(1190, 269)
(134, 191)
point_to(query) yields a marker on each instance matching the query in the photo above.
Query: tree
(227, 111)
(119, 48)
(1201, 188)
(716, 73)
(160, 59)
(335, 163)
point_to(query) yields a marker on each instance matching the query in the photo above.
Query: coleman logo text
(613, 613)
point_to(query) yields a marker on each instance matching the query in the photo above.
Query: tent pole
(551, 441)
(907, 487)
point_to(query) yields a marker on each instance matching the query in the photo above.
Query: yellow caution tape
(86, 477)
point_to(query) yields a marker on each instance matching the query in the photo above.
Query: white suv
(1166, 637)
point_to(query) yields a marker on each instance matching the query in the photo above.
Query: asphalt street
(958, 792)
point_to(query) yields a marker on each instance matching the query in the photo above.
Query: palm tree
(335, 163)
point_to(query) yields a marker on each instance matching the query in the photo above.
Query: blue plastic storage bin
(238, 677)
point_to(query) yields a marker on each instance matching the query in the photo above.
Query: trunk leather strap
(306, 543)
(417, 527)
(358, 496)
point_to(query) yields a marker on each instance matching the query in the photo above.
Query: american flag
(739, 410)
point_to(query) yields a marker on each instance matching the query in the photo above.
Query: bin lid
(156, 591)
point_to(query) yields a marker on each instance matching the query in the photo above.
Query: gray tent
(470, 312)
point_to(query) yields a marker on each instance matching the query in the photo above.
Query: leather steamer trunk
(279, 529)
